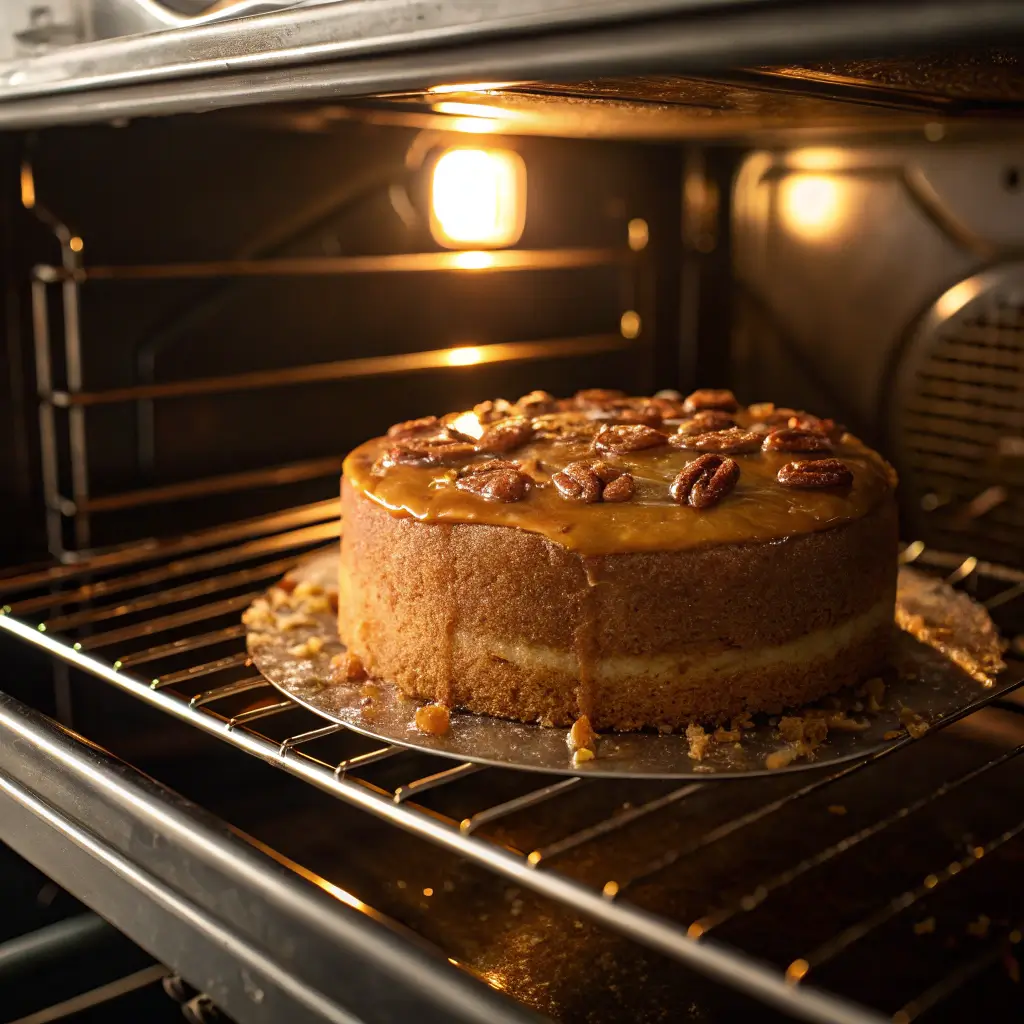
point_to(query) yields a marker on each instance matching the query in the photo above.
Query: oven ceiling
(660, 67)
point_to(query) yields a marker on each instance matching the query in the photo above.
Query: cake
(642, 562)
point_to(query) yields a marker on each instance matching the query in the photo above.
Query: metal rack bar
(266, 711)
(274, 476)
(586, 835)
(519, 803)
(161, 625)
(353, 369)
(150, 550)
(364, 760)
(442, 778)
(197, 671)
(295, 266)
(172, 595)
(229, 690)
(759, 893)
(827, 950)
(199, 563)
(183, 646)
(308, 737)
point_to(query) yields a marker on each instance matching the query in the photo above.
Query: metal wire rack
(160, 621)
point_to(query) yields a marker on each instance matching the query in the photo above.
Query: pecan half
(705, 481)
(597, 397)
(622, 488)
(805, 421)
(711, 398)
(488, 466)
(791, 439)
(703, 422)
(492, 410)
(415, 428)
(505, 435)
(733, 441)
(536, 403)
(669, 408)
(427, 452)
(814, 473)
(584, 487)
(506, 485)
(625, 438)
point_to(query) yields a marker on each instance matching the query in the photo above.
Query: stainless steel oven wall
(884, 285)
(232, 301)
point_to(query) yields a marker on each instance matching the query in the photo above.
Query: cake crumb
(743, 721)
(258, 615)
(979, 927)
(874, 690)
(347, 668)
(892, 734)
(306, 589)
(839, 809)
(925, 927)
(309, 647)
(433, 719)
(279, 597)
(803, 731)
(369, 690)
(780, 758)
(581, 756)
(729, 735)
(259, 639)
(316, 604)
(286, 623)
(581, 737)
(698, 741)
(913, 722)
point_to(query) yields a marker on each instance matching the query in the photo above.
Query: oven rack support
(610, 905)
(68, 490)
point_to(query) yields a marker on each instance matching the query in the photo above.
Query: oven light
(811, 204)
(478, 198)
(467, 355)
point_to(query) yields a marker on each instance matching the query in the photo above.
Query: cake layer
(503, 621)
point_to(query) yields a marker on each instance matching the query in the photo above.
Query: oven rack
(213, 575)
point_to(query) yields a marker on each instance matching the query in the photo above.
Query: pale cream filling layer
(689, 669)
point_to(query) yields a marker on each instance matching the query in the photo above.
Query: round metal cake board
(934, 688)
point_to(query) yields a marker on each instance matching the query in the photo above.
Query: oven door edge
(264, 943)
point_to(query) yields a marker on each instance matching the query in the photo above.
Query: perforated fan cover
(957, 418)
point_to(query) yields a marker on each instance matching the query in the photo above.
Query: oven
(237, 240)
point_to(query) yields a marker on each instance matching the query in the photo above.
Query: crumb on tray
(433, 719)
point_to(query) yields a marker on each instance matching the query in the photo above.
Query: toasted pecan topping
(815, 473)
(493, 410)
(793, 439)
(620, 489)
(504, 435)
(705, 481)
(597, 397)
(429, 452)
(711, 398)
(733, 441)
(704, 422)
(805, 421)
(536, 403)
(506, 485)
(625, 438)
(488, 466)
(422, 427)
(583, 485)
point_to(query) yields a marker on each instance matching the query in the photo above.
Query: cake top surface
(603, 473)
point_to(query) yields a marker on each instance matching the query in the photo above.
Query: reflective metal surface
(923, 679)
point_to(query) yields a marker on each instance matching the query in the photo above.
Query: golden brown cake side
(502, 621)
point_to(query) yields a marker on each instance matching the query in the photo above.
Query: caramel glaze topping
(416, 471)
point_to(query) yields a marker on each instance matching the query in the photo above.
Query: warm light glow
(468, 425)
(478, 198)
(469, 87)
(473, 110)
(811, 204)
(76, 244)
(465, 356)
(28, 187)
(638, 234)
(473, 260)
(629, 324)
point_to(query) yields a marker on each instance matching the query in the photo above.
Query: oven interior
(203, 312)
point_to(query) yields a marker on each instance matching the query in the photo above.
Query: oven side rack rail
(608, 905)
